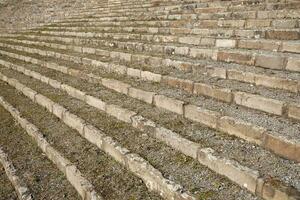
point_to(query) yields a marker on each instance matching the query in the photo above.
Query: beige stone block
(58, 110)
(294, 111)
(270, 61)
(134, 72)
(293, 64)
(184, 84)
(293, 47)
(54, 83)
(276, 82)
(170, 104)
(29, 93)
(149, 76)
(57, 158)
(259, 103)
(78, 181)
(201, 115)
(141, 95)
(44, 101)
(114, 150)
(177, 142)
(222, 94)
(241, 76)
(239, 174)
(120, 113)
(241, 129)
(95, 102)
(74, 121)
(94, 135)
(226, 43)
(116, 85)
(282, 146)
(73, 92)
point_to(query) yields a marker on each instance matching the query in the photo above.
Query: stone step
(11, 172)
(42, 178)
(209, 14)
(52, 65)
(140, 36)
(153, 179)
(153, 28)
(176, 21)
(284, 103)
(221, 52)
(174, 140)
(270, 78)
(275, 122)
(190, 81)
(80, 92)
(74, 176)
(109, 179)
(188, 8)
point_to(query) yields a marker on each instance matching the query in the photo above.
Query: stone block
(73, 121)
(226, 43)
(57, 158)
(120, 113)
(241, 175)
(149, 76)
(241, 129)
(293, 64)
(58, 110)
(73, 92)
(184, 84)
(203, 116)
(141, 95)
(78, 181)
(113, 149)
(44, 101)
(270, 61)
(94, 135)
(222, 94)
(240, 58)
(134, 72)
(177, 142)
(170, 104)
(276, 82)
(116, 85)
(282, 146)
(95, 102)
(294, 111)
(258, 102)
(293, 47)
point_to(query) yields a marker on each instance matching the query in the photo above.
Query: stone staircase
(168, 99)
